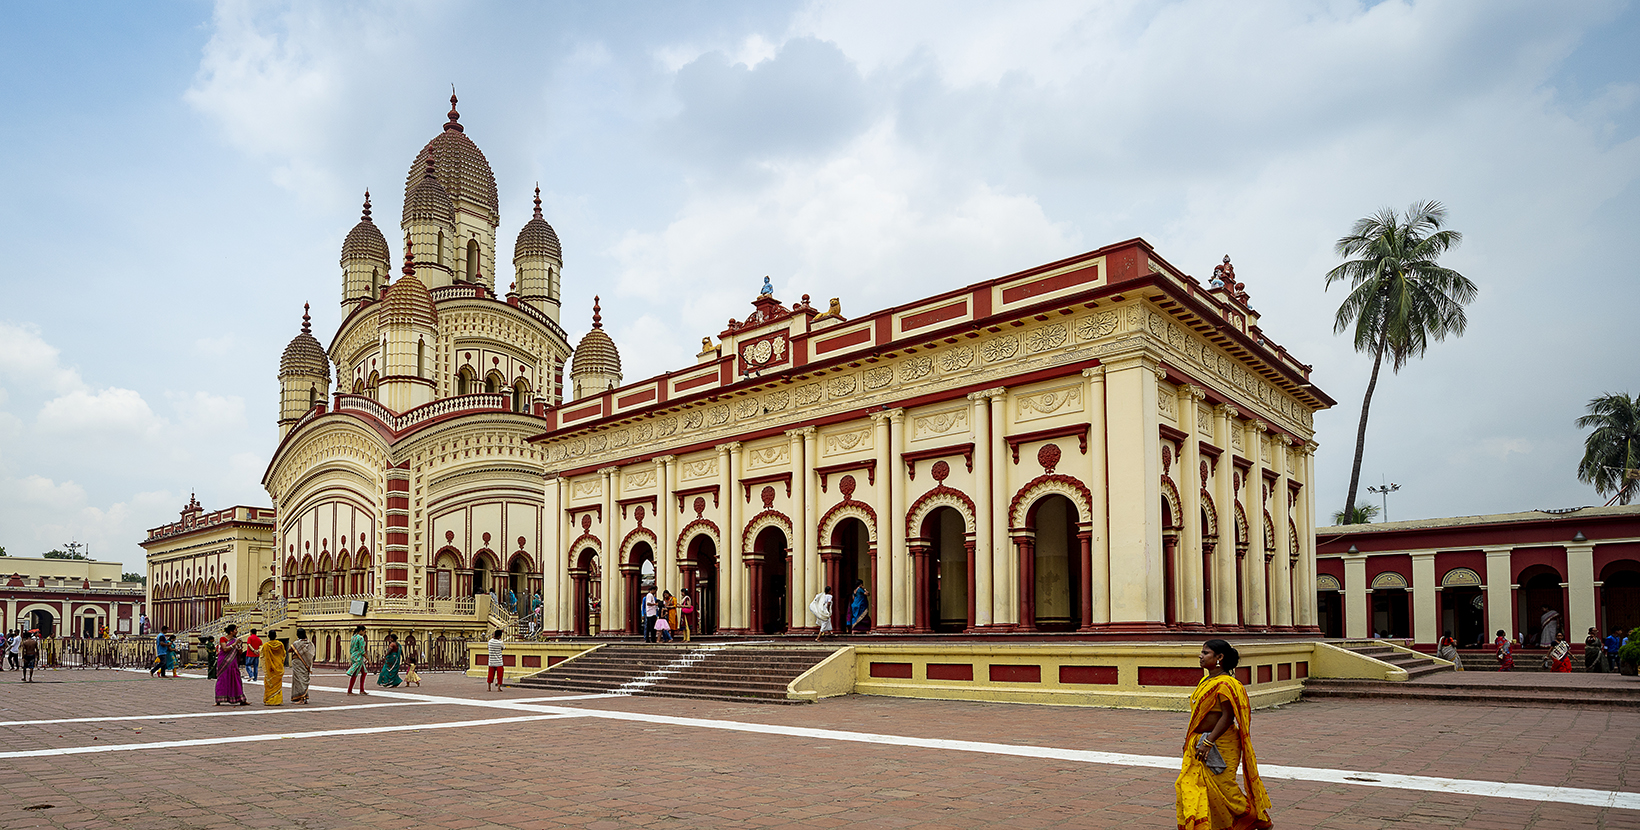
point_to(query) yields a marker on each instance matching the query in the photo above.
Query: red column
(1085, 579)
(921, 589)
(1027, 583)
(1241, 614)
(754, 594)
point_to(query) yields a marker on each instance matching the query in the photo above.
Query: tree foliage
(134, 577)
(57, 554)
(1401, 298)
(1612, 450)
(1361, 514)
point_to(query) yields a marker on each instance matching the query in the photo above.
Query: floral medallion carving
(1045, 338)
(1048, 457)
(767, 495)
(916, 368)
(940, 471)
(1097, 325)
(846, 486)
(957, 358)
(999, 348)
(878, 376)
(808, 394)
(842, 385)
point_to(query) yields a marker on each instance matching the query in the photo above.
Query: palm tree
(1360, 515)
(1400, 298)
(1611, 454)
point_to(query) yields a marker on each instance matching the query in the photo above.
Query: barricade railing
(97, 653)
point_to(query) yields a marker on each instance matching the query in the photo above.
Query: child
(496, 672)
(663, 629)
(410, 676)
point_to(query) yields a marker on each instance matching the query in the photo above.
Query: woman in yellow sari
(1208, 797)
(273, 671)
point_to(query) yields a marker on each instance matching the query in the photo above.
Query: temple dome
(365, 241)
(428, 200)
(408, 302)
(304, 356)
(596, 353)
(460, 166)
(537, 238)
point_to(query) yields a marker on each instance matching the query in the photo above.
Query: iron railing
(97, 653)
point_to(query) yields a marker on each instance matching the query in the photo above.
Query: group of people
(263, 659)
(666, 614)
(21, 649)
(1599, 654)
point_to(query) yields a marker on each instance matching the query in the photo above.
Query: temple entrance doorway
(1329, 613)
(1463, 613)
(1057, 578)
(770, 565)
(853, 542)
(1620, 596)
(1391, 613)
(703, 553)
(945, 572)
(1539, 588)
(640, 579)
(587, 581)
(518, 585)
(483, 574)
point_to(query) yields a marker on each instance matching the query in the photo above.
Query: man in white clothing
(651, 610)
(821, 606)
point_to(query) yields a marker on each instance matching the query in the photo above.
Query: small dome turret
(365, 260)
(408, 302)
(304, 376)
(537, 238)
(365, 241)
(596, 365)
(304, 356)
(428, 201)
(538, 262)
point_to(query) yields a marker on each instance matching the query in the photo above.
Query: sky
(180, 176)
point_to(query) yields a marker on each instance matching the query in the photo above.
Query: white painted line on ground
(241, 739)
(236, 712)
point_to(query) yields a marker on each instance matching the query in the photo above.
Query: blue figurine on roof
(768, 288)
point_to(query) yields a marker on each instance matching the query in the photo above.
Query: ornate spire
(409, 269)
(538, 200)
(430, 172)
(306, 327)
(455, 117)
(597, 316)
(365, 217)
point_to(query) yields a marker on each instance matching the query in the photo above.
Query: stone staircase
(1489, 690)
(708, 671)
(1416, 665)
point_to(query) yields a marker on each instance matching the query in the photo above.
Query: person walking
(5, 645)
(1447, 649)
(253, 656)
(355, 657)
(497, 672)
(821, 607)
(859, 609)
(1218, 740)
(273, 659)
(30, 649)
(229, 688)
(1613, 641)
(165, 653)
(14, 648)
(651, 609)
(301, 666)
(1505, 652)
(391, 659)
(686, 615)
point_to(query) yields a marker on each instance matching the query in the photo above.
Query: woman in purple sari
(228, 687)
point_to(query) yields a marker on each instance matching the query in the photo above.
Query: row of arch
(189, 603)
(346, 574)
(454, 575)
(467, 383)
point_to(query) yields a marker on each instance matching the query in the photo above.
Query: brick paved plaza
(456, 757)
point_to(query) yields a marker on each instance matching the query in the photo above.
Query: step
(737, 673)
(1521, 696)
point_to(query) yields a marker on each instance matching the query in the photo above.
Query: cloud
(109, 413)
(207, 411)
(28, 359)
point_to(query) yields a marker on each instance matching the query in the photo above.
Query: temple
(1101, 446)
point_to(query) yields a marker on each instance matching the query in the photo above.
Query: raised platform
(1539, 689)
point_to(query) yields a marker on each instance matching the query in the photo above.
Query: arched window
(358, 386)
(421, 358)
(375, 282)
(313, 396)
(492, 384)
(441, 247)
(521, 396)
(472, 260)
(464, 381)
(372, 384)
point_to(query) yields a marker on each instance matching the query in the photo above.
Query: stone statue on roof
(768, 288)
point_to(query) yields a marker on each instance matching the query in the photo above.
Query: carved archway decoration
(696, 527)
(1241, 525)
(1211, 526)
(766, 519)
(1461, 578)
(639, 534)
(1045, 485)
(1389, 579)
(939, 496)
(847, 509)
(1327, 582)
(1170, 497)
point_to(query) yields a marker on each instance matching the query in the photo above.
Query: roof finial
(455, 117)
(409, 260)
(431, 172)
(597, 316)
(366, 216)
(306, 328)
(538, 200)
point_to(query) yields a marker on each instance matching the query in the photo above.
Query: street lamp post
(1383, 491)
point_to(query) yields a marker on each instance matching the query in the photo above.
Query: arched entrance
(852, 541)
(587, 578)
(518, 584)
(639, 571)
(1620, 595)
(1051, 566)
(701, 581)
(769, 565)
(1391, 607)
(1539, 589)
(941, 557)
(42, 621)
(444, 573)
(1329, 606)
(484, 568)
(1463, 607)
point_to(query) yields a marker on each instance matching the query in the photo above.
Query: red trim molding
(1079, 431)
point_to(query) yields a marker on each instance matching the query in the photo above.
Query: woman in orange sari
(1218, 740)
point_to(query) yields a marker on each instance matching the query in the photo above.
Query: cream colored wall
(1124, 400)
(73, 569)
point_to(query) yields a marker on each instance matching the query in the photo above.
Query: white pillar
(904, 582)
(1281, 590)
(1136, 585)
(731, 568)
(1004, 570)
(1097, 479)
(1425, 626)
(552, 557)
(614, 604)
(1500, 600)
(666, 565)
(809, 497)
(1356, 593)
(883, 611)
(1258, 614)
(980, 416)
(797, 610)
(1581, 610)
(1225, 601)
(1187, 552)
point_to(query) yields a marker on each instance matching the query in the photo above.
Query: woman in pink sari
(228, 687)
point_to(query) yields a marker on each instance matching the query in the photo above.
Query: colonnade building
(1101, 444)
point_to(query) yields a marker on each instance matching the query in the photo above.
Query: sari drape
(301, 670)
(273, 672)
(858, 608)
(355, 656)
(389, 675)
(229, 689)
(1214, 802)
(1448, 650)
(1560, 657)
